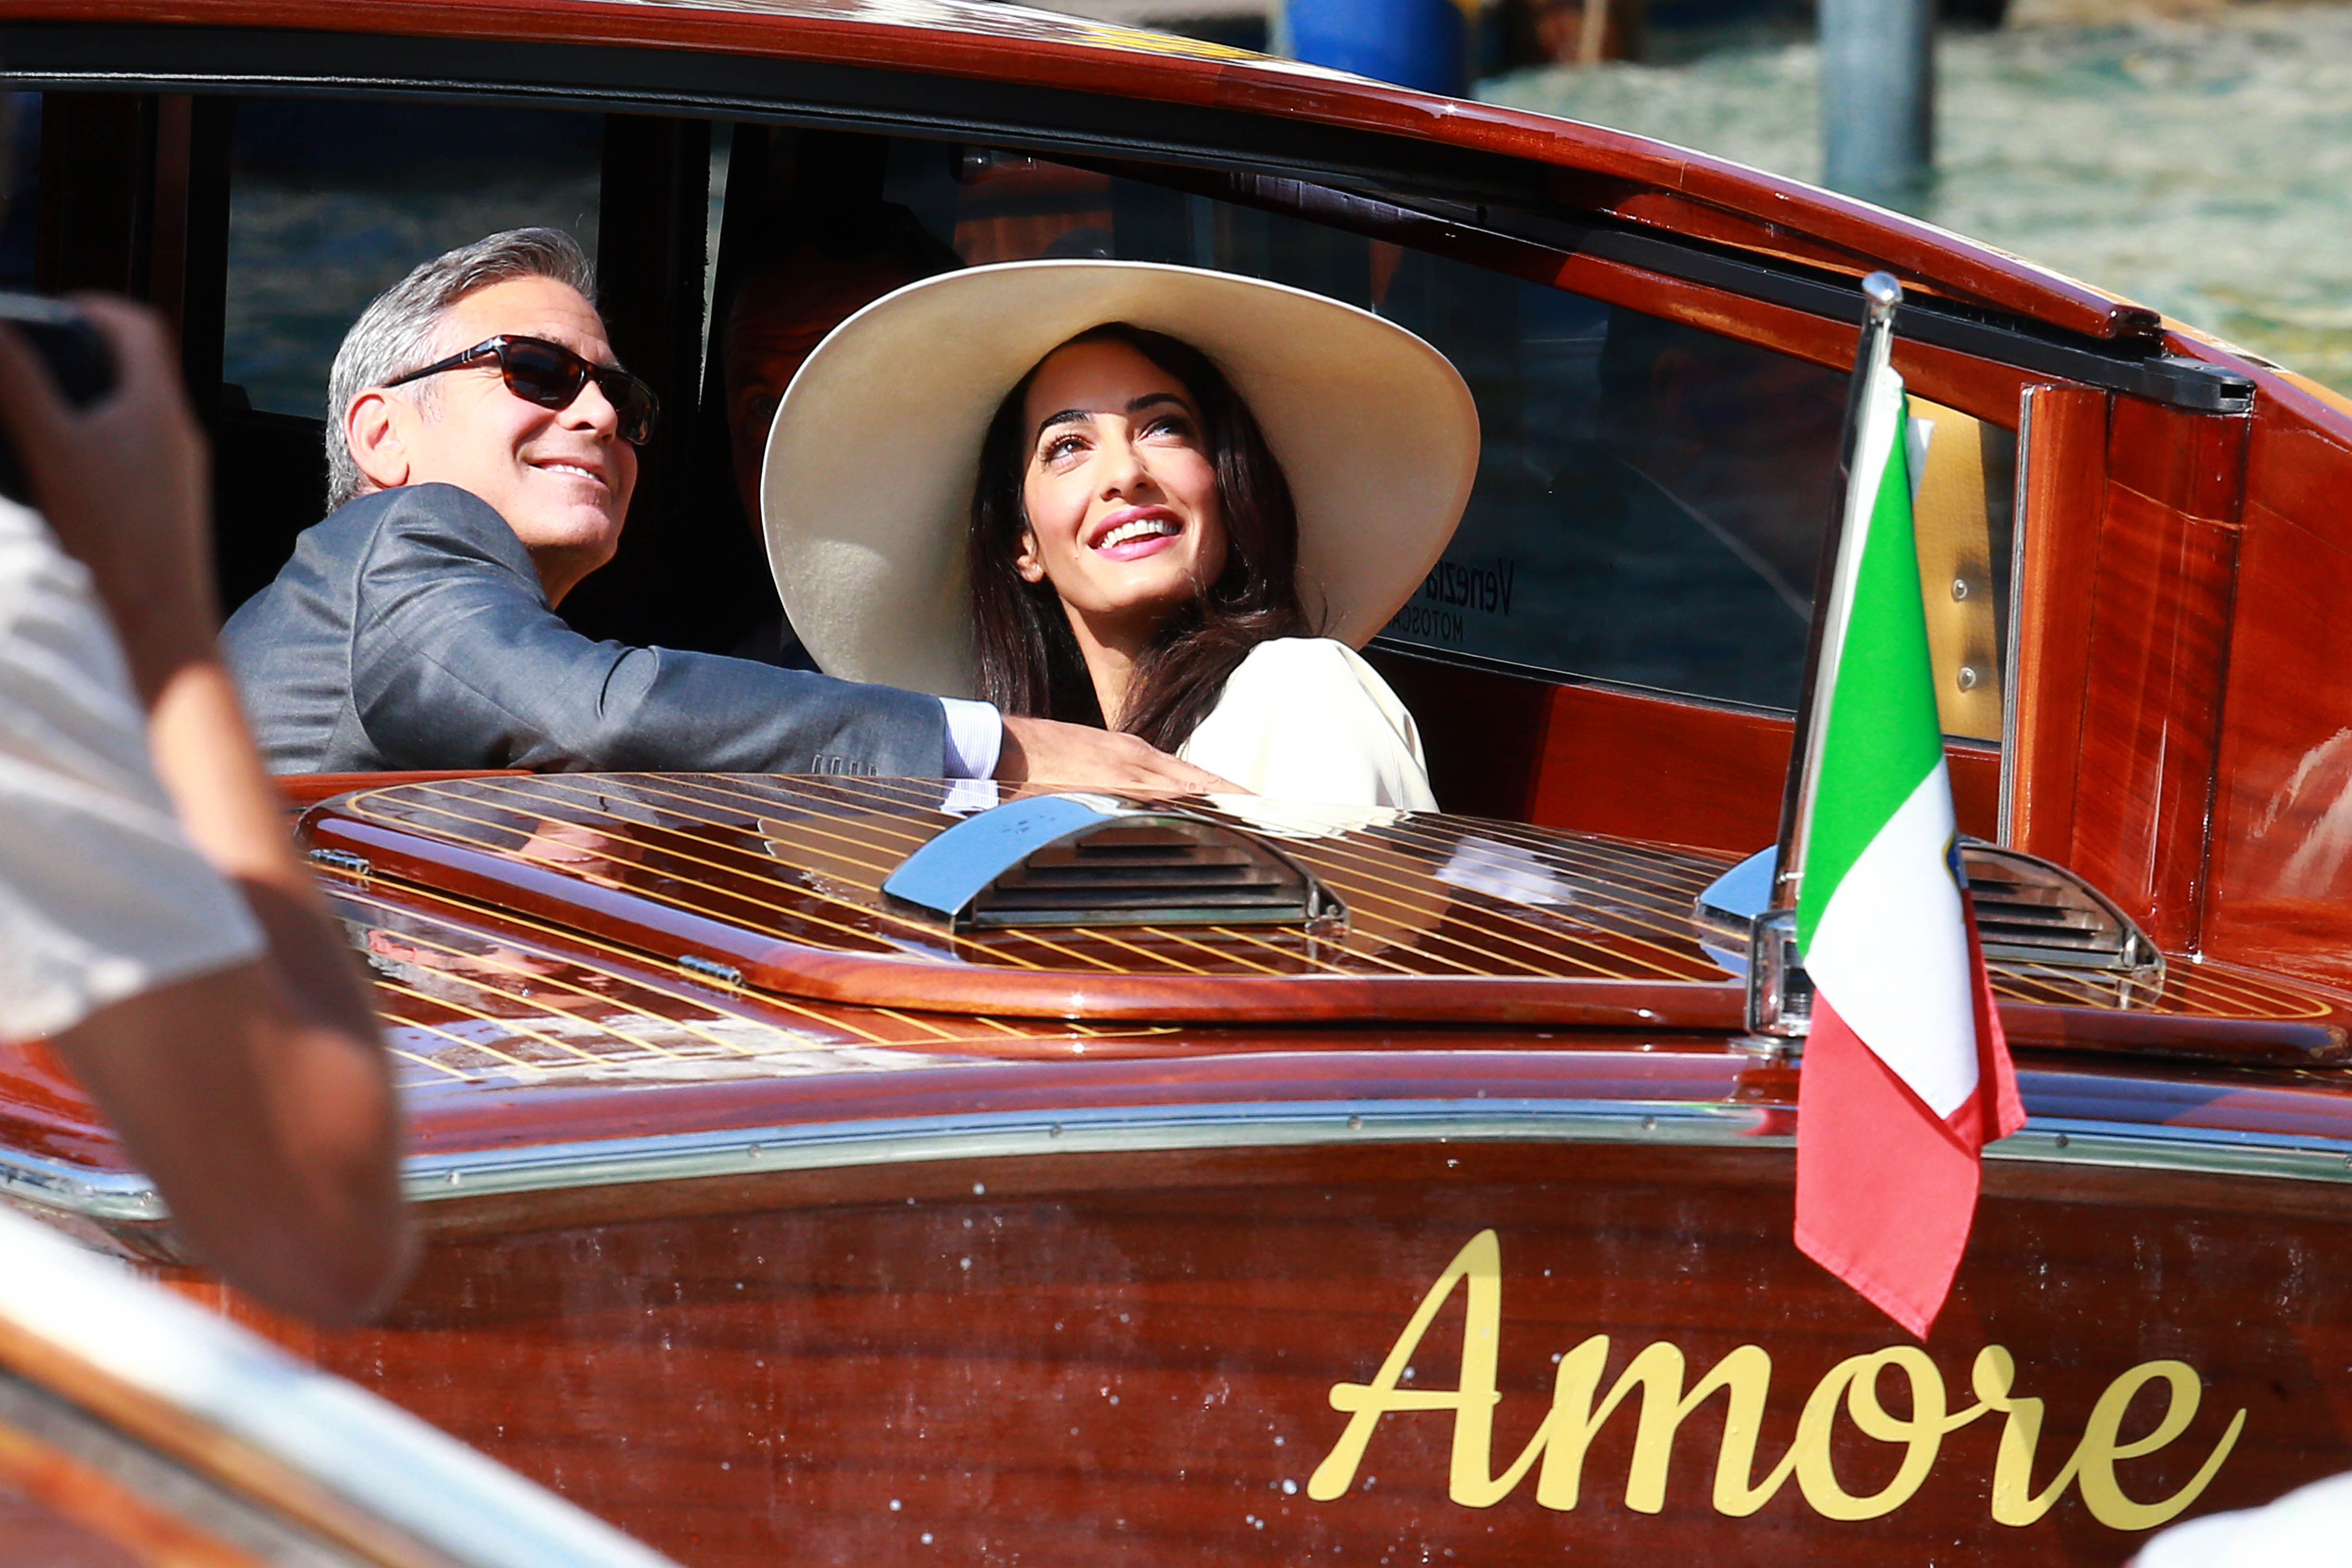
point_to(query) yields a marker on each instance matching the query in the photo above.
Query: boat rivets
(1968, 677)
(1055, 1131)
(1649, 1125)
(2061, 1141)
(1355, 1124)
(1960, 587)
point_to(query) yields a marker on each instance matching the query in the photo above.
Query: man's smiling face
(560, 477)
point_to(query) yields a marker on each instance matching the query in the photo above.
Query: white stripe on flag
(1892, 954)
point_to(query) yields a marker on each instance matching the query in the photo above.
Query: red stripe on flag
(1886, 1190)
(1987, 1118)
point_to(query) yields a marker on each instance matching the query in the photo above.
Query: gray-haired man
(481, 449)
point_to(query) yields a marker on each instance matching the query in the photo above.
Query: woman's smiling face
(1120, 491)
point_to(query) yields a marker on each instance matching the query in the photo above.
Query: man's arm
(256, 1096)
(458, 661)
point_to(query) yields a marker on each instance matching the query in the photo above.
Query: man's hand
(123, 483)
(1040, 751)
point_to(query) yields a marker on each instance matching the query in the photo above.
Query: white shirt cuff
(975, 738)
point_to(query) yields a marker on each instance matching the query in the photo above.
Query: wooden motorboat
(768, 1218)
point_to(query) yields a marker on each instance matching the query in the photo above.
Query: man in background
(156, 925)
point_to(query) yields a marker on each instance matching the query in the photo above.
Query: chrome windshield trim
(1152, 1128)
(1096, 1130)
(2012, 635)
(123, 1198)
(2203, 1151)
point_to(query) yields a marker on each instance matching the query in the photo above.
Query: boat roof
(1641, 183)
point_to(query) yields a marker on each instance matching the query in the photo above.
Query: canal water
(2199, 163)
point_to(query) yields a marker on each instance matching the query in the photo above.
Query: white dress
(1305, 719)
(101, 895)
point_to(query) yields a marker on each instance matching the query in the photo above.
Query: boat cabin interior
(1633, 581)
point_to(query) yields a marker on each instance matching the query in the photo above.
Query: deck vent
(2031, 910)
(1097, 860)
(2028, 910)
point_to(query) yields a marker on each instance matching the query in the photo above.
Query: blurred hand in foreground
(256, 1095)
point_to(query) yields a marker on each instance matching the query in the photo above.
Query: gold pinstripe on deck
(514, 852)
(756, 871)
(728, 847)
(820, 1029)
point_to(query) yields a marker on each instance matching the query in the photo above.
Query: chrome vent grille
(1094, 860)
(1156, 870)
(2030, 911)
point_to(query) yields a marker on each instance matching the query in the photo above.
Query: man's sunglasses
(551, 375)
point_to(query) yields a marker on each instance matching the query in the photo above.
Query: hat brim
(865, 494)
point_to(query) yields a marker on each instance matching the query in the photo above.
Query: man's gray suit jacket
(410, 631)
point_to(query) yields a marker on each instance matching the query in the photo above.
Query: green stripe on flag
(1882, 737)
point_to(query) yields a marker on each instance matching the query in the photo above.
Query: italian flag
(1905, 1075)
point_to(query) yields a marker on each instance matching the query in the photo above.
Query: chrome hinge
(710, 969)
(1779, 993)
(343, 860)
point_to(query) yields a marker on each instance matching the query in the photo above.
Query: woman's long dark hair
(1028, 657)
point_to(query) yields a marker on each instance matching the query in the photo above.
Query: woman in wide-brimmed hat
(1168, 501)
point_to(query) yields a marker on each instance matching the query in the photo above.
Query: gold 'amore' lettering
(1744, 1377)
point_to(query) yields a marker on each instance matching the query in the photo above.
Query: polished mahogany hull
(1101, 1358)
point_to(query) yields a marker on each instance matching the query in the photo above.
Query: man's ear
(1029, 564)
(371, 428)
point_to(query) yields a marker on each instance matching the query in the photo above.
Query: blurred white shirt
(2308, 1527)
(101, 895)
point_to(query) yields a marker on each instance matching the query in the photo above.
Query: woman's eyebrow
(1086, 416)
(1067, 416)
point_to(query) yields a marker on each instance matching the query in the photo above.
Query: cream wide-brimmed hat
(867, 493)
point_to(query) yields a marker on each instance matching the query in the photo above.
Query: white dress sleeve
(101, 895)
(1305, 719)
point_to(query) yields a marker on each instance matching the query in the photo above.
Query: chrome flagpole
(1779, 998)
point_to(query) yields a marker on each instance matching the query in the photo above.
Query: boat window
(20, 181)
(332, 201)
(1651, 497)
